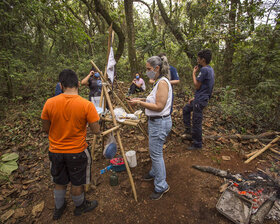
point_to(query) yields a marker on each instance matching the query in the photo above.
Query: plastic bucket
(131, 158)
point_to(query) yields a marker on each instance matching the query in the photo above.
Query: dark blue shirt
(173, 73)
(206, 77)
(58, 89)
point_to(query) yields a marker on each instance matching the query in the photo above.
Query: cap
(96, 75)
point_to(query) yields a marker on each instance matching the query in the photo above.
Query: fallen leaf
(140, 138)
(37, 209)
(226, 158)
(23, 193)
(19, 212)
(142, 150)
(223, 187)
(7, 215)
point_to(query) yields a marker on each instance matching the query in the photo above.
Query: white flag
(111, 65)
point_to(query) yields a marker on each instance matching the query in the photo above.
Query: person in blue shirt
(204, 83)
(58, 87)
(173, 79)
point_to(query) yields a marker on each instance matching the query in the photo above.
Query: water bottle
(114, 179)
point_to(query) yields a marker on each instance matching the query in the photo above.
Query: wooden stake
(121, 146)
(124, 122)
(262, 150)
(109, 131)
(93, 142)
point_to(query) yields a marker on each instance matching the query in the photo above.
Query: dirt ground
(192, 197)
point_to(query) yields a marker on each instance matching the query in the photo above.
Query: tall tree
(105, 14)
(175, 29)
(128, 6)
(230, 42)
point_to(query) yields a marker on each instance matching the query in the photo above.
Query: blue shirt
(173, 73)
(206, 77)
(58, 89)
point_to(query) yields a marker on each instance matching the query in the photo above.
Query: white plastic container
(131, 158)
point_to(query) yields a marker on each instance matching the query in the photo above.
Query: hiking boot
(187, 135)
(194, 148)
(58, 212)
(147, 177)
(157, 195)
(87, 206)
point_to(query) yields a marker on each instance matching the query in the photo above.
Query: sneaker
(58, 212)
(147, 177)
(194, 148)
(157, 195)
(87, 206)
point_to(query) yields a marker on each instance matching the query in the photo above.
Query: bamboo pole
(93, 143)
(124, 122)
(109, 131)
(121, 146)
(262, 150)
(104, 80)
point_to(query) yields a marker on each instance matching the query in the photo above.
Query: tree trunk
(230, 42)
(175, 30)
(100, 9)
(128, 7)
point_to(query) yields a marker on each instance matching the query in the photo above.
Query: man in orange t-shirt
(65, 119)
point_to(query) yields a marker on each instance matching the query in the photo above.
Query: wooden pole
(262, 150)
(104, 80)
(93, 142)
(109, 131)
(124, 122)
(121, 146)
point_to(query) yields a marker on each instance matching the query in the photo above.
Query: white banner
(111, 65)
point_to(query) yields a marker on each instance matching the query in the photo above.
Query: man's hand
(195, 69)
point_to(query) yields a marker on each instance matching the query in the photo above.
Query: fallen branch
(262, 150)
(240, 137)
(217, 172)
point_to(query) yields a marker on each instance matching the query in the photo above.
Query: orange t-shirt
(69, 115)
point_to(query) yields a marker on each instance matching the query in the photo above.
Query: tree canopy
(39, 38)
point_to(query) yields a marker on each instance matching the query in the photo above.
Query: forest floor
(27, 197)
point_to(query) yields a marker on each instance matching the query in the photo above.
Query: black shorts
(71, 167)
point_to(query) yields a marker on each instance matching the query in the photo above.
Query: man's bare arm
(46, 124)
(95, 127)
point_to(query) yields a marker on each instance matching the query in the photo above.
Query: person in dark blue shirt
(58, 89)
(204, 84)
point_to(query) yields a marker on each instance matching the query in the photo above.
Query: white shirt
(152, 99)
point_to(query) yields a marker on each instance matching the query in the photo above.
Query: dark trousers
(133, 88)
(196, 127)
